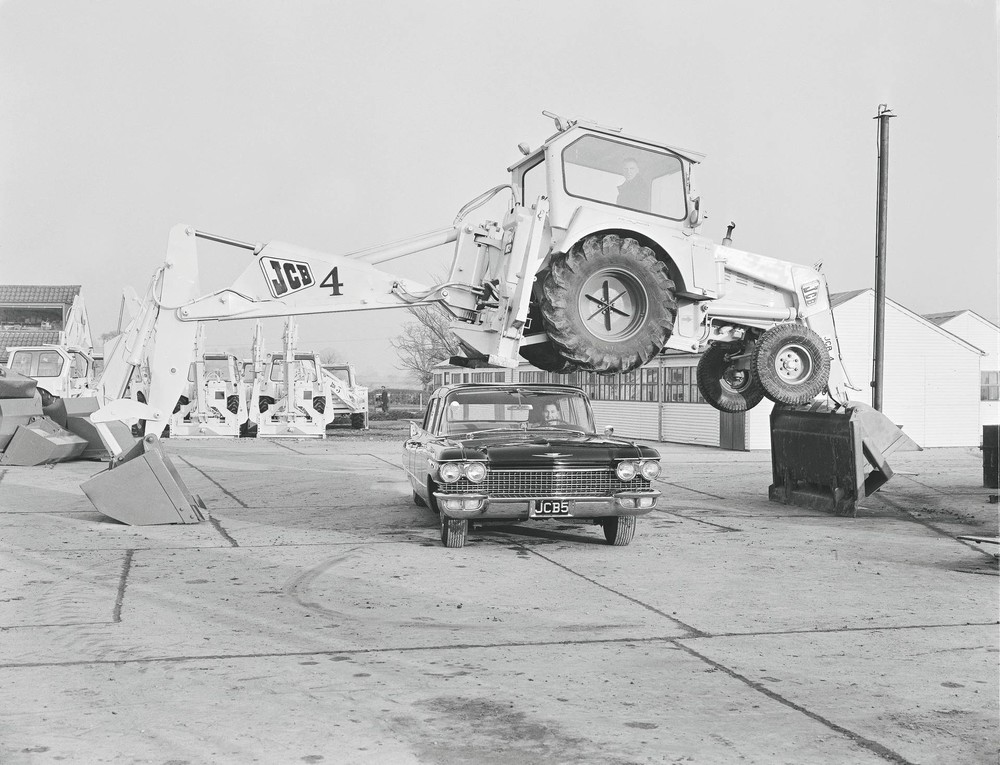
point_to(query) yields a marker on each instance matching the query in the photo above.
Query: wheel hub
(793, 364)
(613, 305)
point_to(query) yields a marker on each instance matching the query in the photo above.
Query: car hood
(540, 449)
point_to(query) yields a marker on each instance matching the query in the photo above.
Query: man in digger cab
(634, 192)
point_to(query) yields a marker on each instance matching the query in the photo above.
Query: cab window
(625, 175)
(50, 364)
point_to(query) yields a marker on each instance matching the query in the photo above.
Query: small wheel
(619, 530)
(793, 364)
(453, 531)
(358, 420)
(233, 404)
(418, 500)
(724, 386)
(608, 305)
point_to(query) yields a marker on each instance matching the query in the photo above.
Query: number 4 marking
(332, 280)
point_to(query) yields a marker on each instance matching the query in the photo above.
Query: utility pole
(883, 116)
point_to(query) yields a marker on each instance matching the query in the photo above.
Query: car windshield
(471, 411)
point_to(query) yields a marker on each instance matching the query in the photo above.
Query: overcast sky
(340, 125)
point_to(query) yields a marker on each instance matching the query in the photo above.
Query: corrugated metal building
(985, 335)
(931, 385)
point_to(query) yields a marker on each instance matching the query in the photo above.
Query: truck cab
(62, 372)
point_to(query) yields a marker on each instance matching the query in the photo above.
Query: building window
(680, 384)
(989, 386)
(649, 383)
(533, 377)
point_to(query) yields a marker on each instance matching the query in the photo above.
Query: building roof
(14, 338)
(843, 297)
(943, 318)
(38, 294)
(837, 298)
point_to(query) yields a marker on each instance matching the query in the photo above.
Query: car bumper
(481, 506)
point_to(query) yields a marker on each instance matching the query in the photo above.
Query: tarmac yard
(316, 618)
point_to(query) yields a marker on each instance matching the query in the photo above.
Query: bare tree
(425, 342)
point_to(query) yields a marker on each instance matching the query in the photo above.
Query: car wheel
(619, 530)
(453, 531)
(793, 364)
(724, 386)
(608, 304)
(418, 500)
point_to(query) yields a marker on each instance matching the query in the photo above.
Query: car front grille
(546, 483)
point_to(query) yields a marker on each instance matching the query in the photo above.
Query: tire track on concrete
(116, 614)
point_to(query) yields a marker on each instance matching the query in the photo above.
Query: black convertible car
(525, 452)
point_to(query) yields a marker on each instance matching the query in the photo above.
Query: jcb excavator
(597, 265)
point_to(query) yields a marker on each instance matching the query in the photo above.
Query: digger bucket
(142, 487)
(73, 414)
(827, 459)
(41, 442)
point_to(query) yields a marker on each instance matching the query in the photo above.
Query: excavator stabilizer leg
(142, 487)
(830, 459)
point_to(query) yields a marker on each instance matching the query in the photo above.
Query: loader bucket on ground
(41, 442)
(142, 487)
(828, 459)
(15, 412)
(73, 414)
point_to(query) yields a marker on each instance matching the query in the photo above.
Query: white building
(985, 335)
(931, 385)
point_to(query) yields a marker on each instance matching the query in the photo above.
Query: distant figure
(634, 191)
(383, 400)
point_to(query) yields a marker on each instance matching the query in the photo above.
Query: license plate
(551, 507)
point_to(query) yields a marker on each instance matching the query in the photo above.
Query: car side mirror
(414, 429)
(609, 431)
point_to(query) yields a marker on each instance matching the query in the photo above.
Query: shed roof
(840, 298)
(38, 294)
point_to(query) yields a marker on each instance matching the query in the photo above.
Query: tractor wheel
(608, 305)
(724, 386)
(47, 398)
(619, 530)
(319, 403)
(182, 401)
(546, 357)
(793, 364)
(453, 531)
(265, 403)
(233, 404)
(357, 420)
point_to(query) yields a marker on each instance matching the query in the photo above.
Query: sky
(342, 125)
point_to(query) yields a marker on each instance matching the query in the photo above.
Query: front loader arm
(281, 280)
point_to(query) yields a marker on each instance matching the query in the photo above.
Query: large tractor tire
(608, 304)
(233, 404)
(264, 403)
(546, 357)
(357, 420)
(793, 364)
(724, 386)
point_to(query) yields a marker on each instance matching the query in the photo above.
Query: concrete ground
(315, 618)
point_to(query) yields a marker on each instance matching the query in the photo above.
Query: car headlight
(650, 470)
(475, 471)
(626, 470)
(450, 472)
